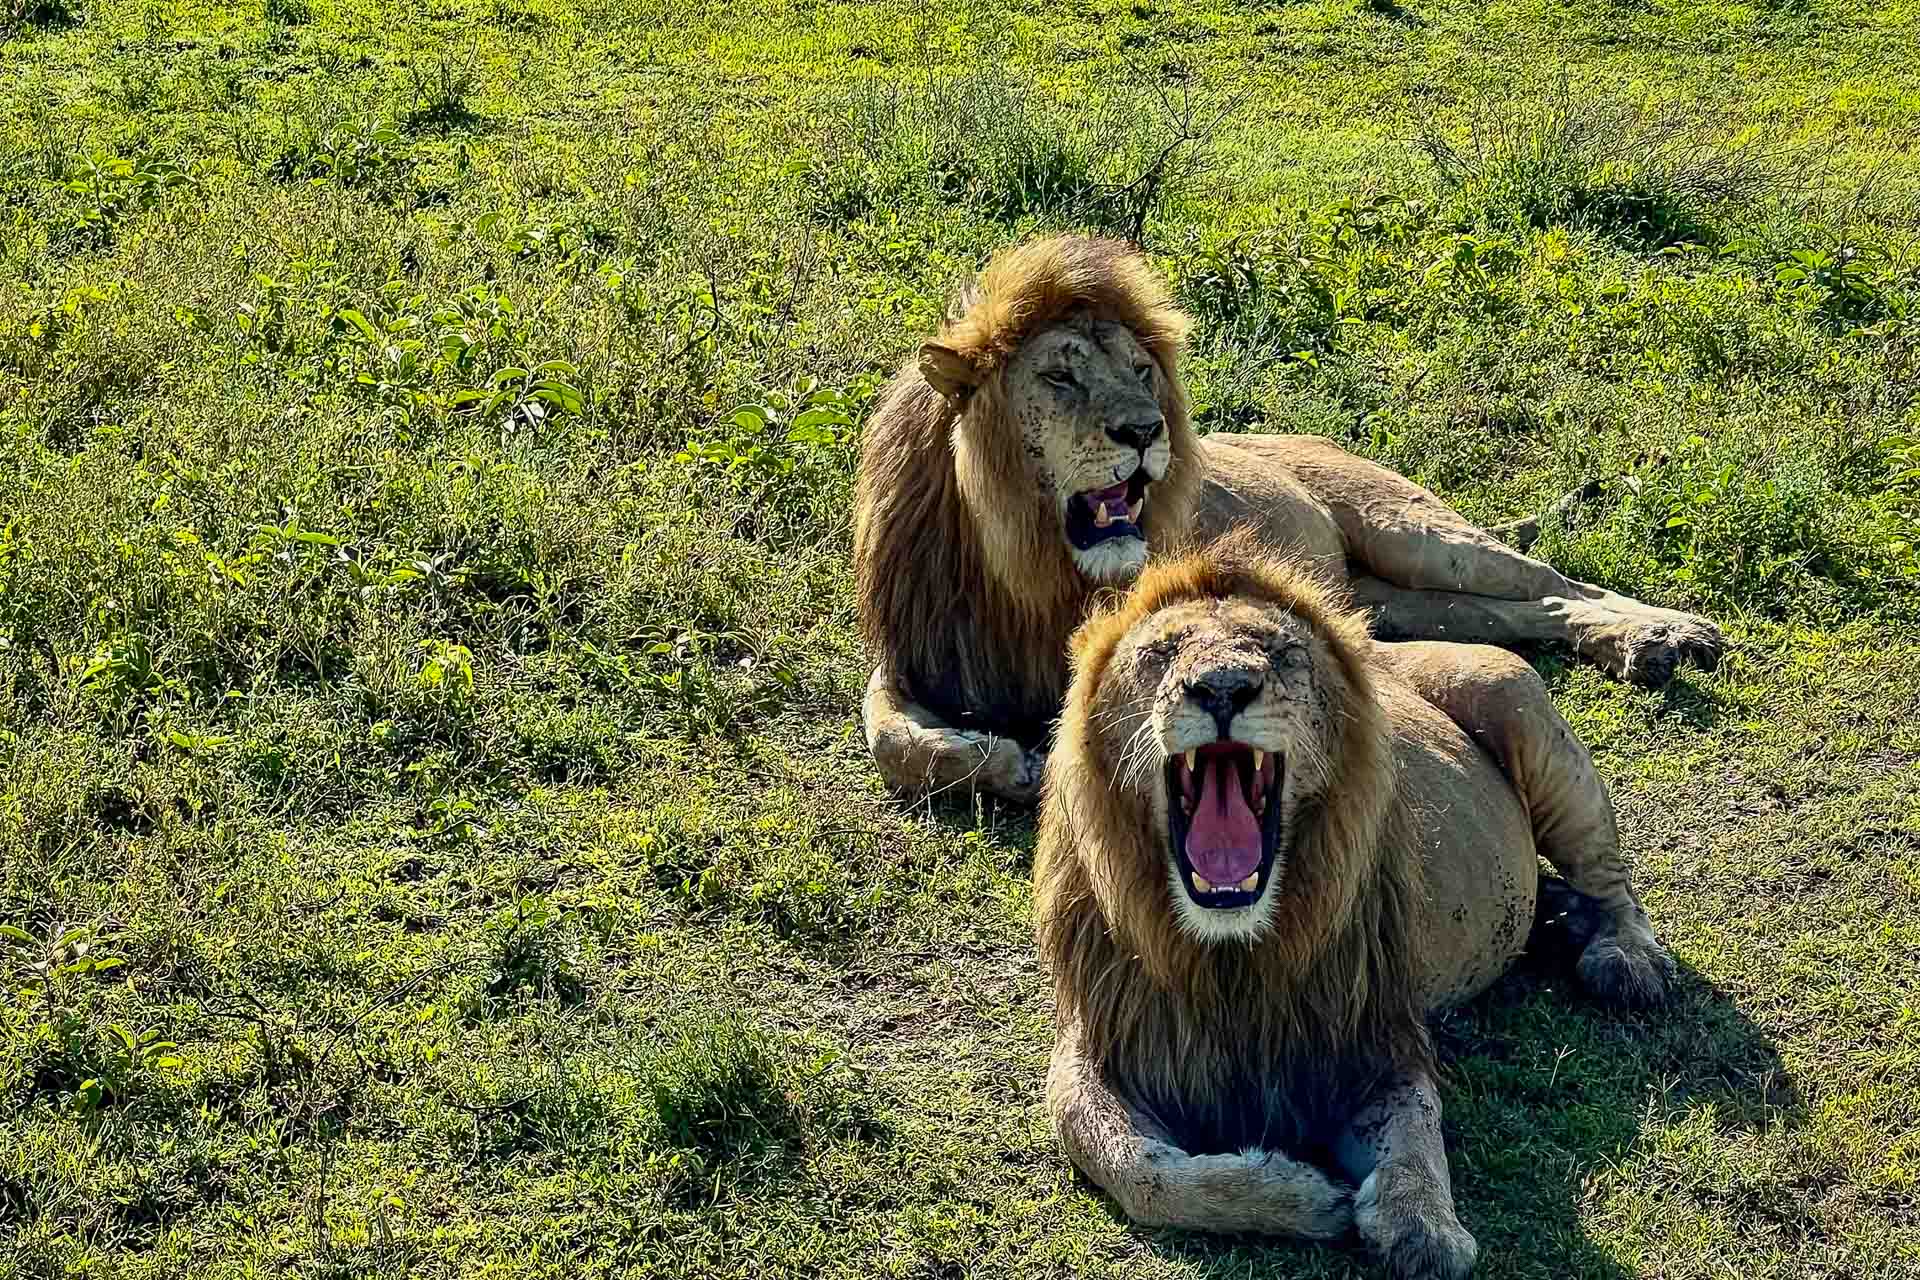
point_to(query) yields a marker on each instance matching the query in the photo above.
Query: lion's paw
(1032, 771)
(1648, 645)
(1622, 970)
(1266, 1192)
(1432, 1251)
(1415, 1245)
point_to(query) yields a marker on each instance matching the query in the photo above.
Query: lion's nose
(1224, 693)
(1138, 435)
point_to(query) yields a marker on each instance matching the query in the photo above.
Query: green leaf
(15, 934)
(359, 322)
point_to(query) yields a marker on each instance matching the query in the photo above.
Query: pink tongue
(1223, 840)
(1114, 499)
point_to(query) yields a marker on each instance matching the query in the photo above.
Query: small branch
(1522, 534)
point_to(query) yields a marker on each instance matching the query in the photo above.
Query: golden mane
(965, 585)
(1225, 1042)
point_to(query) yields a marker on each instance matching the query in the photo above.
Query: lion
(1267, 852)
(1040, 447)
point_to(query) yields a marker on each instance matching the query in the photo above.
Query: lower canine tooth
(1201, 883)
(1100, 517)
(1133, 512)
(1250, 883)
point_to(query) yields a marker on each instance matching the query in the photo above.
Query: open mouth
(1096, 515)
(1223, 808)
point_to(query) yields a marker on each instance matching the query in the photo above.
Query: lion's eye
(1145, 374)
(1057, 378)
(1159, 650)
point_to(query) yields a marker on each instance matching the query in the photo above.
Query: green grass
(435, 836)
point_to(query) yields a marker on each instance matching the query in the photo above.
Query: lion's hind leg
(1159, 1185)
(1504, 706)
(1429, 573)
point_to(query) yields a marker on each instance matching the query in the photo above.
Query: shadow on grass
(1688, 699)
(1542, 1087)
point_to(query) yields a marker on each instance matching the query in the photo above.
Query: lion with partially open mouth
(1039, 450)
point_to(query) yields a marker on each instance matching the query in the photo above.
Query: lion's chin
(1239, 924)
(1113, 563)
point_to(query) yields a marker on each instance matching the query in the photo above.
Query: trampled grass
(435, 836)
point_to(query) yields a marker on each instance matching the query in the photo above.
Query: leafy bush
(359, 152)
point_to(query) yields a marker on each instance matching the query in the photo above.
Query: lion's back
(1249, 481)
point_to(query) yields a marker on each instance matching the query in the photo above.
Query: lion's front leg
(1159, 1185)
(916, 752)
(1404, 1210)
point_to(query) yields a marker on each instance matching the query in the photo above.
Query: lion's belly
(1476, 842)
(1248, 483)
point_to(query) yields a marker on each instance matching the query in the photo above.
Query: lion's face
(1085, 397)
(1213, 710)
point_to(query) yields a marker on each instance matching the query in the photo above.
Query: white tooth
(1250, 883)
(1201, 883)
(1259, 758)
(1192, 757)
(1100, 517)
(1133, 511)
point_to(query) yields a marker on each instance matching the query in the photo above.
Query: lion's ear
(948, 372)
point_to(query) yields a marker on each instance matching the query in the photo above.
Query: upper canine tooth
(1100, 517)
(1193, 757)
(1250, 883)
(1259, 758)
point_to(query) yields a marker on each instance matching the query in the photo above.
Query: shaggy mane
(1271, 1043)
(965, 585)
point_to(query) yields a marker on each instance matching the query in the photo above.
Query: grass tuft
(45, 15)
(1647, 174)
(717, 1091)
(1006, 148)
(441, 87)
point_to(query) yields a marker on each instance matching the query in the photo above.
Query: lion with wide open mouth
(1267, 852)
